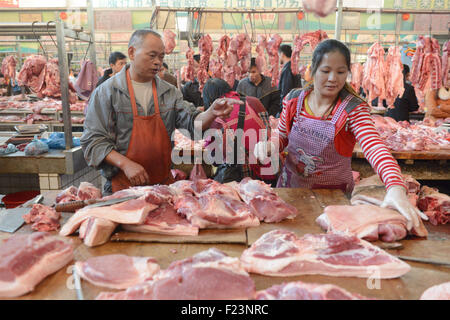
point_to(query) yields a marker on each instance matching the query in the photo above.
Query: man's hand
(222, 107)
(135, 173)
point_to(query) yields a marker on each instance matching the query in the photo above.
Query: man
(287, 79)
(117, 60)
(406, 103)
(132, 115)
(166, 76)
(190, 90)
(259, 86)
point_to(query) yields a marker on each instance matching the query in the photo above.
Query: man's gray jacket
(109, 119)
(268, 95)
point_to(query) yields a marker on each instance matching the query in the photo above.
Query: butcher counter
(310, 203)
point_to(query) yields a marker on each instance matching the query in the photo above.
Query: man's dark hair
(197, 57)
(253, 63)
(286, 49)
(116, 55)
(405, 70)
(166, 66)
(214, 89)
(327, 46)
(139, 35)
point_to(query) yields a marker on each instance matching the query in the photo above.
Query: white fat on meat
(337, 255)
(306, 291)
(437, 292)
(96, 231)
(117, 271)
(208, 275)
(26, 259)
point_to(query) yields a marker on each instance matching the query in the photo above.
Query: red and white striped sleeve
(282, 127)
(374, 148)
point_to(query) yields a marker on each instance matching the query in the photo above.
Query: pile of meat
(311, 38)
(42, 77)
(403, 136)
(435, 205)
(85, 191)
(43, 218)
(169, 41)
(181, 208)
(14, 103)
(9, 67)
(280, 253)
(27, 259)
(426, 70)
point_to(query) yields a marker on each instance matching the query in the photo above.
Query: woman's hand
(397, 199)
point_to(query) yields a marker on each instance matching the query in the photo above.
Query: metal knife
(77, 283)
(93, 203)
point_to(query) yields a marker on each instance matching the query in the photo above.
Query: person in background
(132, 116)
(191, 90)
(320, 125)
(117, 60)
(259, 86)
(256, 118)
(407, 103)
(72, 77)
(287, 79)
(166, 76)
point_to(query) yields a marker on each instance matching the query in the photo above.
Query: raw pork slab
(88, 191)
(438, 292)
(26, 259)
(269, 207)
(367, 222)
(216, 212)
(306, 291)
(96, 231)
(67, 195)
(281, 253)
(130, 212)
(435, 205)
(164, 220)
(43, 218)
(117, 271)
(208, 275)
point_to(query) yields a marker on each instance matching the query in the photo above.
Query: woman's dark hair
(213, 89)
(116, 55)
(327, 46)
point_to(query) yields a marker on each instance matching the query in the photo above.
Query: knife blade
(424, 260)
(77, 283)
(92, 203)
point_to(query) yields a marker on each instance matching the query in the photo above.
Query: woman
(320, 125)
(256, 119)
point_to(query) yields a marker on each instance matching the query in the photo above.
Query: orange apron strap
(155, 97)
(131, 92)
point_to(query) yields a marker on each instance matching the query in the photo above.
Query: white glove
(263, 150)
(397, 199)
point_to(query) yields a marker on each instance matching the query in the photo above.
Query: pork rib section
(306, 291)
(128, 212)
(281, 253)
(25, 260)
(367, 222)
(268, 206)
(117, 271)
(438, 292)
(210, 275)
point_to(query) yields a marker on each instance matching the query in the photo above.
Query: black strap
(240, 125)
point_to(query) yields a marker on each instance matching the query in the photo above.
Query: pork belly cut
(117, 271)
(27, 259)
(438, 292)
(306, 291)
(96, 231)
(282, 253)
(208, 275)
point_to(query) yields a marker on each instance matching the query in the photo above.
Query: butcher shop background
(113, 25)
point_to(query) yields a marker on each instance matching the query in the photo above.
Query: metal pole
(64, 83)
(91, 22)
(337, 30)
(398, 24)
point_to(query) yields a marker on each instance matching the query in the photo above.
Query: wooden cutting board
(213, 236)
(414, 155)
